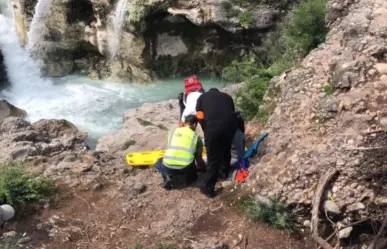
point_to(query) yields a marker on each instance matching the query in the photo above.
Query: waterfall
(22, 71)
(38, 23)
(116, 28)
(6, 8)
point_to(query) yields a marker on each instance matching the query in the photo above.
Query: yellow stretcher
(148, 158)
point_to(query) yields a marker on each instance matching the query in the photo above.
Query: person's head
(191, 121)
(192, 84)
(214, 90)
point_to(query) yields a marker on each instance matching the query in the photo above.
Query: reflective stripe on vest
(181, 148)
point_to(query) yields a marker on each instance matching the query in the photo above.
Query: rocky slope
(326, 108)
(160, 38)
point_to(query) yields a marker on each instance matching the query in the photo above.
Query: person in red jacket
(216, 114)
(187, 99)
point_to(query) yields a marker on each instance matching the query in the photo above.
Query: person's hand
(181, 124)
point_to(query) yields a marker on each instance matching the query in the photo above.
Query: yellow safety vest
(181, 148)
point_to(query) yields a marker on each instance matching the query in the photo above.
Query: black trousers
(189, 173)
(181, 103)
(218, 138)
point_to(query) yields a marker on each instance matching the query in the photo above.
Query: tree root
(316, 205)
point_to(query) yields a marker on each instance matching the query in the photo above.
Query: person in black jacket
(216, 114)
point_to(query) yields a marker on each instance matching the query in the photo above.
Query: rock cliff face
(160, 38)
(328, 107)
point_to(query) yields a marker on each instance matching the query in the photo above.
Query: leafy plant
(271, 212)
(329, 89)
(246, 18)
(144, 122)
(128, 143)
(17, 187)
(281, 51)
(162, 246)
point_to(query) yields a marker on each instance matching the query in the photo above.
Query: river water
(94, 106)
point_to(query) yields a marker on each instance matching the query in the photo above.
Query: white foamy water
(93, 106)
(116, 27)
(38, 23)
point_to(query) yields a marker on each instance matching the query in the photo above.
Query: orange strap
(200, 115)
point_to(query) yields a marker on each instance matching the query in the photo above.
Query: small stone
(383, 78)
(307, 223)
(226, 184)
(340, 162)
(331, 207)
(383, 122)
(351, 141)
(345, 233)
(39, 226)
(335, 189)
(360, 206)
(381, 68)
(371, 72)
(97, 186)
(322, 95)
(297, 196)
(140, 187)
(353, 185)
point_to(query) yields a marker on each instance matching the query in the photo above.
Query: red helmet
(192, 84)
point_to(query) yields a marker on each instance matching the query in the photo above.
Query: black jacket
(217, 108)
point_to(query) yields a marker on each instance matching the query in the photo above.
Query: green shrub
(18, 187)
(282, 50)
(128, 143)
(329, 89)
(307, 27)
(144, 122)
(273, 213)
(162, 246)
(246, 18)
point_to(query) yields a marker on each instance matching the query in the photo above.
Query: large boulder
(19, 139)
(9, 110)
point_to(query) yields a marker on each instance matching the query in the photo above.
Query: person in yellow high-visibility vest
(183, 155)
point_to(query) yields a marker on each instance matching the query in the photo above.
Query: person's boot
(167, 182)
(208, 193)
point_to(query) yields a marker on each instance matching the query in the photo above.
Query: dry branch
(316, 205)
(379, 234)
(83, 199)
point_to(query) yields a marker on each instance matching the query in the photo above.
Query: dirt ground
(135, 212)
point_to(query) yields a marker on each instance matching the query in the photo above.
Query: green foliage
(138, 246)
(282, 50)
(162, 246)
(144, 122)
(246, 18)
(128, 143)
(307, 27)
(18, 187)
(273, 213)
(329, 90)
